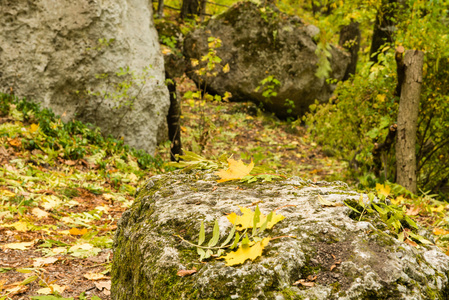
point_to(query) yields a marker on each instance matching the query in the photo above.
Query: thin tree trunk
(383, 27)
(160, 9)
(350, 40)
(408, 120)
(189, 8)
(174, 126)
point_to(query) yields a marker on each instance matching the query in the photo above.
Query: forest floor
(58, 216)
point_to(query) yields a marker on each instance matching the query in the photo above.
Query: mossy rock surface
(258, 41)
(344, 259)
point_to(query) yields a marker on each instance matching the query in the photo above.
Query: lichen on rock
(343, 258)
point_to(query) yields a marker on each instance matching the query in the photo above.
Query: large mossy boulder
(96, 61)
(335, 256)
(258, 42)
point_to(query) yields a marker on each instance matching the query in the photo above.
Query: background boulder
(261, 41)
(337, 257)
(66, 55)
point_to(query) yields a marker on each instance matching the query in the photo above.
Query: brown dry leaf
(41, 261)
(183, 273)
(39, 213)
(16, 290)
(94, 276)
(303, 282)
(76, 231)
(236, 170)
(412, 211)
(410, 242)
(105, 284)
(15, 142)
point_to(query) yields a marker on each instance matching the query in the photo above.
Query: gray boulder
(261, 41)
(334, 256)
(66, 55)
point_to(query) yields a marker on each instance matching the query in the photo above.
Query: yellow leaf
(246, 219)
(194, 62)
(39, 213)
(19, 246)
(439, 208)
(236, 170)
(226, 68)
(19, 226)
(398, 200)
(383, 190)
(381, 97)
(439, 231)
(33, 127)
(7, 193)
(325, 202)
(76, 231)
(246, 252)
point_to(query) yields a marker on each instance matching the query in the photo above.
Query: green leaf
(419, 238)
(354, 209)
(29, 280)
(215, 236)
(202, 234)
(201, 253)
(411, 222)
(256, 220)
(236, 240)
(245, 240)
(379, 210)
(228, 239)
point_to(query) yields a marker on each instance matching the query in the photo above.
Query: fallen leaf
(398, 200)
(33, 128)
(19, 226)
(183, 273)
(410, 242)
(50, 202)
(19, 246)
(325, 202)
(58, 250)
(412, 211)
(7, 193)
(303, 282)
(52, 288)
(42, 261)
(440, 231)
(93, 276)
(245, 252)
(236, 170)
(103, 285)
(383, 190)
(39, 213)
(19, 289)
(76, 231)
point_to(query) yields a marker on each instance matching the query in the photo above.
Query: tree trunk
(160, 9)
(408, 120)
(174, 126)
(350, 40)
(383, 27)
(189, 8)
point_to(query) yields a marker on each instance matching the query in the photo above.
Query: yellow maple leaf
(246, 219)
(236, 170)
(246, 252)
(383, 190)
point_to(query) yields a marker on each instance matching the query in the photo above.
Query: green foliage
(362, 110)
(269, 85)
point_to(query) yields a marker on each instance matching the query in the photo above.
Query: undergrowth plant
(207, 67)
